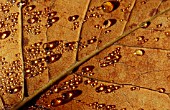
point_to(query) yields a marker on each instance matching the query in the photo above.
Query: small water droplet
(30, 8)
(167, 33)
(109, 23)
(109, 6)
(140, 38)
(73, 18)
(159, 25)
(161, 90)
(139, 52)
(4, 35)
(15, 90)
(145, 24)
(32, 20)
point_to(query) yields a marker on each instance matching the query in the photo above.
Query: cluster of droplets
(74, 19)
(111, 58)
(107, 88)
(87, 43)
(11, 77)
(101, 106)
(66, 97)
(37, 55)
(141, 40)
(8, 25)
(37, 19)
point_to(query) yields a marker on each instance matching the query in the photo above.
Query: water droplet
(57, 102)
(70, 45)
(15, 90)
(159, 25)
(88, 68)
(4, 35)
(30, 8)
(145, 24)
(139, 52)
(167, 33)
(156, 39)
(109, 6)
(161, 90)
(51, 45)
(53, 58)
(52, 14)
(69, 95)
(32, 20)
(66, 97)
(140, 38)
(73, 18)
(53, 20)
(108, 23)
(133, 88)
(101, 88)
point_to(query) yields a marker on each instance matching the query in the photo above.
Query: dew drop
(66, 97)
(4, 35)
(167, 33)
(69, 95)
(73, 18)
(51, 45)
(108, 23)
(139, 52)
(30, 8)
(88, 68)
(109, 6)
(53, 20)
(145, 24)
(161, 90)
(52, 14)
(140, 38)
(57, 102)
(53, 58)
(15, 90)
(32, 20)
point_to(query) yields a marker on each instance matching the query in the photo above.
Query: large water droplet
(109, 6)
(4, 35)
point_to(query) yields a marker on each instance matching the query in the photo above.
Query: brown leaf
(60, 49)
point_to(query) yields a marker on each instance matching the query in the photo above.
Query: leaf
(85, 54)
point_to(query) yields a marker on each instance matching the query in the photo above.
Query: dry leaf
(60, 50)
